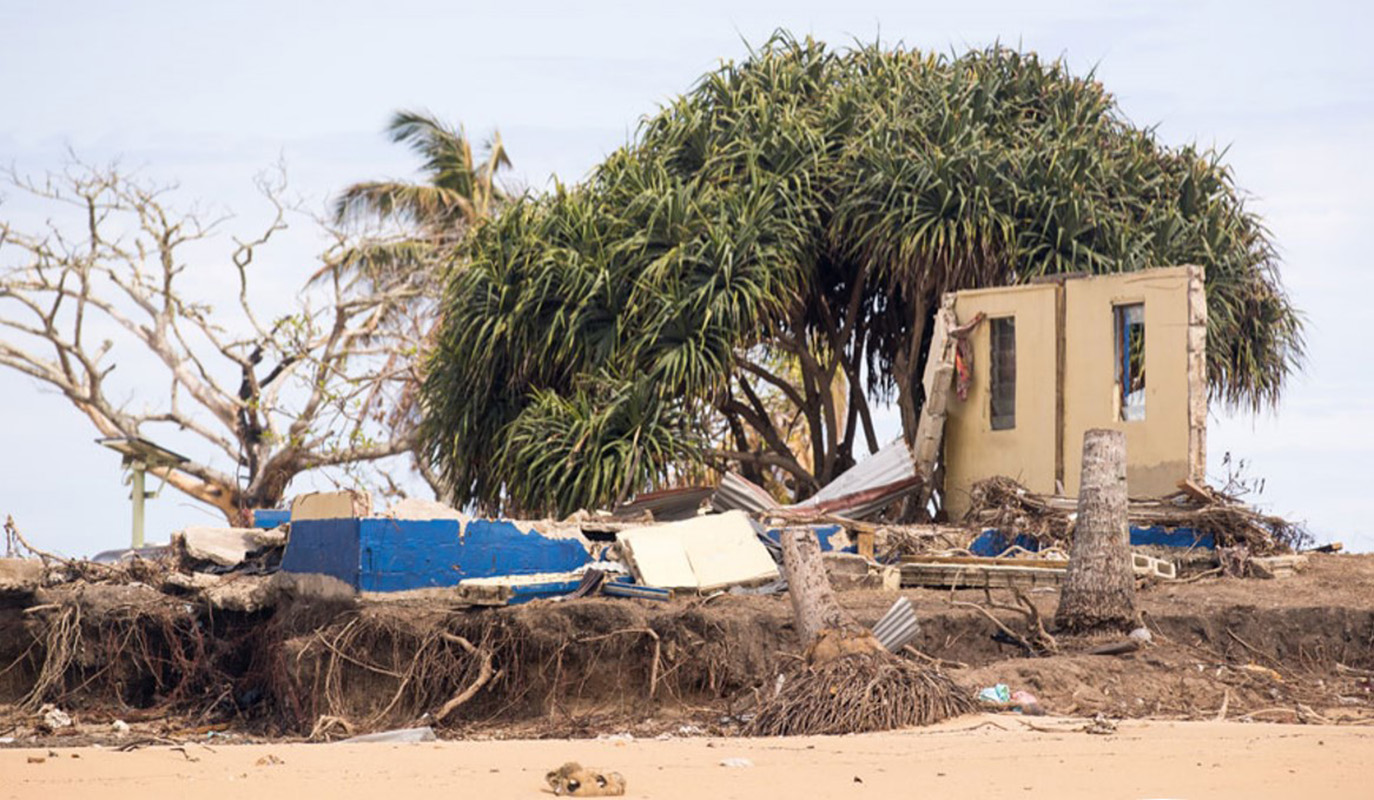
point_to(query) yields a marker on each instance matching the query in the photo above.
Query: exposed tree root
(857, 693)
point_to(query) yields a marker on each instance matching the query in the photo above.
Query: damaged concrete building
(1052, 359)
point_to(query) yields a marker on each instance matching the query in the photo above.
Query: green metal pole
(138, 504)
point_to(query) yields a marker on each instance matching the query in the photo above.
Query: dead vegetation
(857, 694)
(1005, 505)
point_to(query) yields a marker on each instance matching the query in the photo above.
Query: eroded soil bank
(1299, 649)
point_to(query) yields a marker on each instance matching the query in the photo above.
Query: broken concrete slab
(226, 547)
(347, 504)
(244, 594)
(704, 553)
(20, 577)
(1277, 566)
(18, 574)
(512, 589)
(852, 572)
(241, 593)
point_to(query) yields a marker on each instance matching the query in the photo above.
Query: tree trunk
(1099, 589)
(826, 631)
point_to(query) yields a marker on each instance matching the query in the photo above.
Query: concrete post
(138, 497)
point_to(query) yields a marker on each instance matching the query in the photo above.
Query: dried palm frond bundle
(858, 693)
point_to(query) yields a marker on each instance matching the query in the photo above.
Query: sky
(209, 96)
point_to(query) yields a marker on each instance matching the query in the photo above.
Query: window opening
(1002, 369)
(1130, 361)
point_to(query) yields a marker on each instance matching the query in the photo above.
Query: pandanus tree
(783, 233)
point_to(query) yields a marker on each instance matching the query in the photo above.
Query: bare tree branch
(100, 282)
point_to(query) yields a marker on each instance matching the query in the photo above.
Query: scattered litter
(425, 734)
(999, 694)
(736, 762)
(54, 718)
(119, 727)
(37, 759)
(1027, 704)
(1100, 726)
(616, 737)
(625, 587)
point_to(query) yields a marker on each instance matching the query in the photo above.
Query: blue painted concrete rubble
(269, 518)
(389, 555)
(823, 534)
(991, 543)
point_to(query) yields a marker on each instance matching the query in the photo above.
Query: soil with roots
(1298, 649)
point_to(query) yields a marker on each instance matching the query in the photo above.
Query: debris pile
(1003, 504)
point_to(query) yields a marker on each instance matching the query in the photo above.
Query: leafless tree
(114, 274)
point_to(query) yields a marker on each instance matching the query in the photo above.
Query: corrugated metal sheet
(891, 465)
(736, 493)
(862, 490)
(898, 627)
(668, 505)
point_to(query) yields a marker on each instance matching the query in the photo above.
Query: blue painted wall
(328, 546)
(388, 555)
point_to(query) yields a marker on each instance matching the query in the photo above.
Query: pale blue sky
(210, 94)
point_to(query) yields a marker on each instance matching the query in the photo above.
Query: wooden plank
(863, 542)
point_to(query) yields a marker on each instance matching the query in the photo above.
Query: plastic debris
(616, 737)
(736, 762)
(999, 694)
(119, 727)
(1027, 704)
(425, 734)
(55, 718)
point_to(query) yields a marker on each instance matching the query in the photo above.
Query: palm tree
(422, 227)
(429, 217)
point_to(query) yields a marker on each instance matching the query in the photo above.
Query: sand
(983, 757)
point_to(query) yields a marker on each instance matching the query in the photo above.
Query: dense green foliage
(810, 205)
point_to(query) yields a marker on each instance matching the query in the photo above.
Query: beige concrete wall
(973, 450)
(1066, 384)
(1157, 447)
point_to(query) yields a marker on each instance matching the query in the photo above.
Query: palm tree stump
(848, 682)
(1099, 589)
(827, 632)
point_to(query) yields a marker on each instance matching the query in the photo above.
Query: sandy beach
(984, 757)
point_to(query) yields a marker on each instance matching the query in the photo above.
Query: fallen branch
(483, 675)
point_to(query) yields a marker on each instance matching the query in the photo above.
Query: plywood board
(704, 553)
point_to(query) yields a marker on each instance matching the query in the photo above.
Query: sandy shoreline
(984, 757)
